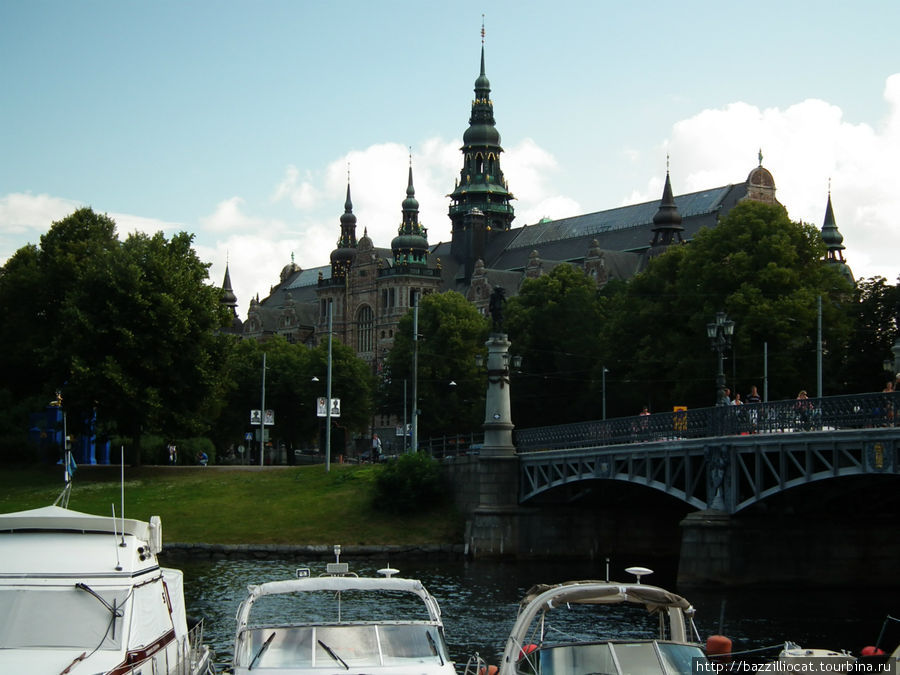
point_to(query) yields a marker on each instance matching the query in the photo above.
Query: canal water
(479, 600)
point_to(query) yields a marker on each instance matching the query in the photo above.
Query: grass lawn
(237, 505)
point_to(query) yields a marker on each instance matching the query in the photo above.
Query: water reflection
(479, 602)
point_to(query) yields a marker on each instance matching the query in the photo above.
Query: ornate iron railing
(856, 411)
(452, 446)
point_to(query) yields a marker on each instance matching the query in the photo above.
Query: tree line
(132, 331)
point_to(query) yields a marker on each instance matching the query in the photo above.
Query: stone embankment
(314, 552)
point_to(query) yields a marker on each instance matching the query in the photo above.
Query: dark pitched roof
(601, 224)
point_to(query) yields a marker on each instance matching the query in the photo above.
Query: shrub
(410, 484)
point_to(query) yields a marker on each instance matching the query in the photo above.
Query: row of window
(365, 317)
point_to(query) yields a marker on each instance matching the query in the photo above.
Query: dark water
(479, 602)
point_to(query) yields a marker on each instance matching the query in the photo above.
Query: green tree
(767, 274)
(126, 329)
(291, 391)
(450, 387)
(554, 324)
(875, 331)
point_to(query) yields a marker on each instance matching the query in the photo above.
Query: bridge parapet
(859, 411)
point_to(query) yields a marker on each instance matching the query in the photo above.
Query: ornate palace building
(371, 287)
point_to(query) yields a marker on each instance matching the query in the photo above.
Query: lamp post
(893, 367)
(719, 334)
(603, 371)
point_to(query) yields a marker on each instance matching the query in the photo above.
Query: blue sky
(237, 121)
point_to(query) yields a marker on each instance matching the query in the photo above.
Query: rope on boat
(780, 645)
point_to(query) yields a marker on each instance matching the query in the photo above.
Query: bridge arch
(726, 474)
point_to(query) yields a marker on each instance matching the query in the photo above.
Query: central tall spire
(481, 184)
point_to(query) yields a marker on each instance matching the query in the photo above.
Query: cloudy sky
(238, 121)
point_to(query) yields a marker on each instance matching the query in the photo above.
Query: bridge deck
(724, 458)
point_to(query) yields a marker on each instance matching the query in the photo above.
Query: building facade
(370, 288)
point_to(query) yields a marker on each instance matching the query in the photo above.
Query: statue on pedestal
(495, 307)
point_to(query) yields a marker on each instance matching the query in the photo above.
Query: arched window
(365, 329)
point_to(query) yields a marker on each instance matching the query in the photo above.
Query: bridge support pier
(707, 549)
(493, 529)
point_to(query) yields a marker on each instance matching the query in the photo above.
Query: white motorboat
(802, 659)
(341, 623)
(558, 632)
(85, 594)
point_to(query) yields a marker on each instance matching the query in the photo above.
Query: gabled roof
(623, 218)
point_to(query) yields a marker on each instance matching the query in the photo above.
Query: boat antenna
(607, 569)
(122, 487)
(116, 536)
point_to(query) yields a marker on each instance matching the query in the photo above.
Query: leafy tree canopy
(767, 274)
(291, 391)
(126, 329)
(450, 388)
(554, 324)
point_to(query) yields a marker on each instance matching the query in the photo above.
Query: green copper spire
(834, 241)
(667, 226)
(345, 253)
(481, 184)
(410, 246)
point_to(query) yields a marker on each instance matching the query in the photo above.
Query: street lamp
(894, 366)
(603, 371)
(719, 334)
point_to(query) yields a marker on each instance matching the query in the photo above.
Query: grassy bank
(237, 505)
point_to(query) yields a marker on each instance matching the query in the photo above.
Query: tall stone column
(498, 424)
(493, 530)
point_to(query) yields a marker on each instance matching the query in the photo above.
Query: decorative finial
(760, 156)
(482, 29)
(829, 187)
(410, 156)
(348, 173)
(292, 257)
(667, 162)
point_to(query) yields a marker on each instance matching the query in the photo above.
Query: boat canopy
(56, 518)
(589, 592)
(335, 584)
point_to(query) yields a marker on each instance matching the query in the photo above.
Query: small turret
(667, 226)
(343, 256)
(410, 246)
(834, 242)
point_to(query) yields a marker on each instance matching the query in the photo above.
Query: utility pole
(328, 398)
(262, 415)
(415, 375)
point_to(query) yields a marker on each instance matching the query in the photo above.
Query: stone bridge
(725, 458)
(717, 461)
(722, 473)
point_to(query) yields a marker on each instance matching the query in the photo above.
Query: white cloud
(24, 217)
(804, 146)
(229, 216)
(128, 224)
(301, 193)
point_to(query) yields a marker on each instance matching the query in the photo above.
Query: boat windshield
(610, 658)
(61, 617)
(346, 645)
